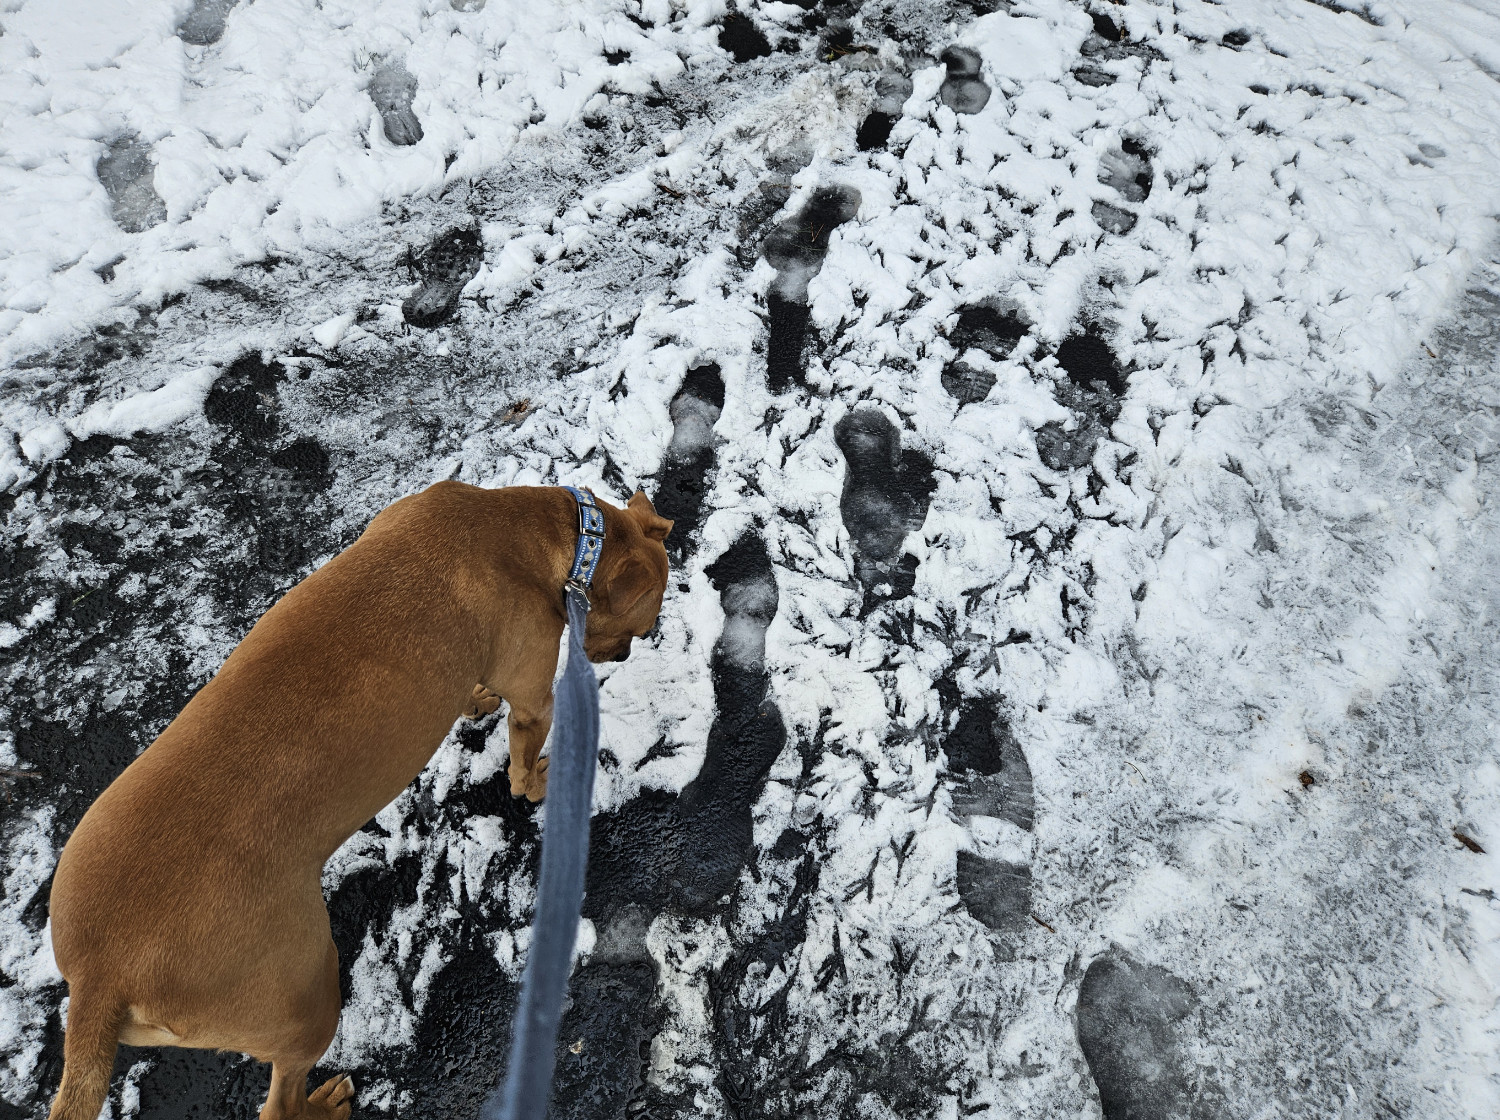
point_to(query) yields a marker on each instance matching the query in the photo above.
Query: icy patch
(892, 89)
(963, 90)
(127, 174)
(1130, 1025)
(446, 267)
(392, 88)
(204, 23)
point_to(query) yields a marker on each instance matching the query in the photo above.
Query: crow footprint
(887, 490)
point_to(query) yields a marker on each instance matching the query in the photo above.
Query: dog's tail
(93, 1036)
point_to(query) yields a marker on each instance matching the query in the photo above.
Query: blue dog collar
(590, 545)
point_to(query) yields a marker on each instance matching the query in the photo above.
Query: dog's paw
(332, 1100)
(531, 784)
(481, 703)
(536, 782)
(521, 779)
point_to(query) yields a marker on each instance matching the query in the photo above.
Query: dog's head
(630, 582)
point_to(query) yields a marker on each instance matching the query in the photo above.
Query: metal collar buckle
(590, 520)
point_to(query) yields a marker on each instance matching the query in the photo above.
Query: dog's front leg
(527, 688)
(529, 724)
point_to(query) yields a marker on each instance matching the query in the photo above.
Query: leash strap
(527, 1088)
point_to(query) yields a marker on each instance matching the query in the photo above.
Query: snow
(328, 334)
(1244, 647)
(154, 411)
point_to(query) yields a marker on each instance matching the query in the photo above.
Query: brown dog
(187, 909)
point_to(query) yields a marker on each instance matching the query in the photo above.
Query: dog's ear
(652, 523)
(627, 584)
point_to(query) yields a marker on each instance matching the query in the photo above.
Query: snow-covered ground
(1074, 691)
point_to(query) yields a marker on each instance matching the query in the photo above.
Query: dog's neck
(544, 546)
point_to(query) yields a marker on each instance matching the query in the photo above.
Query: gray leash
(525, 1093)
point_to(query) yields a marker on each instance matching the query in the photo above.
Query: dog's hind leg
(301, 1043)
(93, 1035)
(481, 703)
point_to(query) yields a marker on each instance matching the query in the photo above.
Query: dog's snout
(622, 655)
